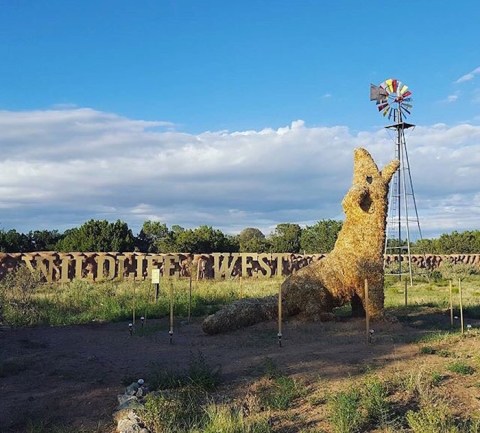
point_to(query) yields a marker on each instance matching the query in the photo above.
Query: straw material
(339, 278)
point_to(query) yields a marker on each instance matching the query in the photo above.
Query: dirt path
(71, 375)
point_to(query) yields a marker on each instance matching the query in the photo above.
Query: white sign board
(155, 276)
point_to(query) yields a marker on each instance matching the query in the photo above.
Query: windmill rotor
(393, 99)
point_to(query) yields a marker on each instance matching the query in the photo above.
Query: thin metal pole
(170, 332)
(190, 299)
(133, 312)
(279, 335)
(451, 304)
(406, 293)
(461, 304)
(367, 316)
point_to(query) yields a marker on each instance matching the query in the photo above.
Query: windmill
(393, 100)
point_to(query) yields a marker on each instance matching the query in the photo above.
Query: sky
(230, 114)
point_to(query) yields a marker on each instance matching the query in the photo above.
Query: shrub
(172, 411)
(345, 413)
(432, 417)
(374, 400)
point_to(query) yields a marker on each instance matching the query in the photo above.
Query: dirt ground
(72, 375)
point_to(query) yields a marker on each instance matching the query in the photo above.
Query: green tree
(13, 242)
(466, 242)
(286, 238)
(252, 240)
(96, 235)
(44, 240)
(203, 239)
(152, 237)
(321, 237)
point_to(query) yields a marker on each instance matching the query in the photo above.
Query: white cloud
(468, 77)
(60, 168)
(452, 98)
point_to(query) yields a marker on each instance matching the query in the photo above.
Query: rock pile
(128, 405)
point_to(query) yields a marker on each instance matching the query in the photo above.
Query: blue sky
(231, 114)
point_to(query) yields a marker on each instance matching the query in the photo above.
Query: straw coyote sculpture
(314, 291)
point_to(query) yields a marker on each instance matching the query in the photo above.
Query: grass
(199, 374)
(460, 367)
(192, 400)
(82, 302)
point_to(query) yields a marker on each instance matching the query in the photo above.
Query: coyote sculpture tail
(314, 291)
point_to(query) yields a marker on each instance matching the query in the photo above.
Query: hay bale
(239, 314)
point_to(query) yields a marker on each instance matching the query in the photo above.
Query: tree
(152, 237)
(95, 235)
(14, 242)
(321, 237)
(286, 238)
(252, 240)
(466, 242)
(203, 239)
(44, 240)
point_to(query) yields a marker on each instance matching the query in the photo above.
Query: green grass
(460, 367)
(82, 302)
(345, 413)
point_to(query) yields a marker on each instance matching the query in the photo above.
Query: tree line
(156, 237)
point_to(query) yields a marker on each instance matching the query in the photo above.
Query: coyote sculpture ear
(389, 170)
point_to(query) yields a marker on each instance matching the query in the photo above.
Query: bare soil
(71, 375)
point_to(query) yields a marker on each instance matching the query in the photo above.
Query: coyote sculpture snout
(339, 278)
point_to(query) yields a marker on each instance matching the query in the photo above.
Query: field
(63, 371)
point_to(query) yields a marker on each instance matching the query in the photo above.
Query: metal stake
(170, 332)
(279, 335)
(461, 304)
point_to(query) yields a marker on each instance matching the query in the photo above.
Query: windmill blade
(389, 84)
(385, 112)
(409, 106)
(403, 90)
(404, 109)
(406, 94)
(382, 106)
(394, 85)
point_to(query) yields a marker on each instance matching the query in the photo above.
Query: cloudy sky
(230, 114)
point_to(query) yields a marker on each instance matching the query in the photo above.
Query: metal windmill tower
(393, 99)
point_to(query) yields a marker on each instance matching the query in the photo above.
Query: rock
(122, 414)
(128, 426)
(132, 388)
(130, 403)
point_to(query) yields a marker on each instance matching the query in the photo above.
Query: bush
(16, 297)
(345, 413)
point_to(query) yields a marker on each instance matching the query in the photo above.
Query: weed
(345, 413)
(428, 350)
(436, 378)
(374, 400)
(433, 417)
(280, 392)
(199, 374)
(173, 411)
(460, 368)
(224, 419)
